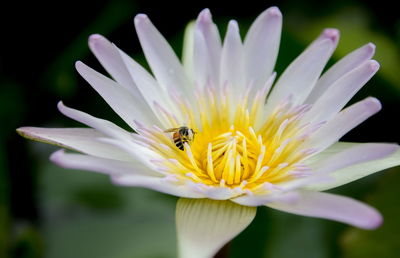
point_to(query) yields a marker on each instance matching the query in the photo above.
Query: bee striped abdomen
(178, 141)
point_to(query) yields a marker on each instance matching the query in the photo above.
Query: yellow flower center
(235, 149)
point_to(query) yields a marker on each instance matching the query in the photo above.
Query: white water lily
(257, 142)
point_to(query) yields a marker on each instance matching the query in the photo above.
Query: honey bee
(181, 135)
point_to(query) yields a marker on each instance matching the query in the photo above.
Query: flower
(250, 141)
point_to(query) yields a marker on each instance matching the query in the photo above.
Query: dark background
(46, 211)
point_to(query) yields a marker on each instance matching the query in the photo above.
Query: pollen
(239, 146)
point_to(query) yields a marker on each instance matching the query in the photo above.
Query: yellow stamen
(230, 149)
(210, 167)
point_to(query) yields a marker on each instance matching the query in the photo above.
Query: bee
(181, 135)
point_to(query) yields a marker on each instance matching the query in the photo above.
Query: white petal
(356, 154)
(151, 91)
(332, 150)
(207, 50)
(86, 140)
(188, 49)
(119, 99)
(328, 33)
(342, 67)
(203, 72)
(261, 46)
(300, 183)
(162, 59)
(349, 156)
(158, 184)
(101, 125)
(123, 173)
(343, 122)
(354, 172)
(110, 59)
(211, 192)
(334, 207)
(262, 115)
(204, 226)
(139, 153)
(102, 165)
(219, 193)
(336, 97)
(258, 200)
(232, 62)
(301, 75)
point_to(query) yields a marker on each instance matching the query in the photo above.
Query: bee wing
(171, 130)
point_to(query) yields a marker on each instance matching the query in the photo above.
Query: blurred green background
(46, 211)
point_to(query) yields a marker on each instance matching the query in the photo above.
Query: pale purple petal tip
(94, 39)
(60, 105)
(332, 34)
(373, 65)
(274, 12)
(205, 16)
(373, 221)
(233, 25)
(334, 207)
(62, 108)
(79, 65)
(373, 104)
(371, 47)
(139, 18)
(57, 156)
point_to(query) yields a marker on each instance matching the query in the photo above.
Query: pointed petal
(354, 172)
(356, 154)
(101, 165)
(100, 125)
(258, 200)
(232, 61)
(330, 151)
(218, 193)
(138, 152)
(86, 140)
(339, 69)
(118, 137)
(349, 156)
(301, 75)
(119, 99)
(211, 35)
(336, 97)
(207, 50)
(159, 184)
(343, 122)
(261, 46)
(204, 226)
(110, 59)
(151, 91)
(334, 207)
(123, 173)
(162, 59)
(203, 72)
(188, 50)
